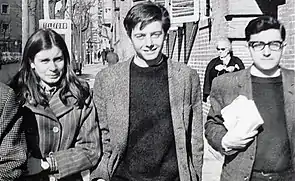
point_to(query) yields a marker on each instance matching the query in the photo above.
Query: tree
(80, 17)
(52, 5)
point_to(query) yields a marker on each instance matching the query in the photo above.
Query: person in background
(104, 56)
(59, 116)
(265, 152)
(12, 138)
(112, 57)
(150, 108)
(224, 63)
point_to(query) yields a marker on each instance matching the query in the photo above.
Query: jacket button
(52, 178)
(55, 129)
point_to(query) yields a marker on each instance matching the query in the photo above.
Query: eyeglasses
(220, 49)
(259, 45)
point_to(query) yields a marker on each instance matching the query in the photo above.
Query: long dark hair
(26, 82)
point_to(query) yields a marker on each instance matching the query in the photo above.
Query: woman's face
(49, 65)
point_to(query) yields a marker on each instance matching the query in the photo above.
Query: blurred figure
(259, 145)
(104, 56)
(112, 57)
(149, 108)
(60, 119)
(224, 63)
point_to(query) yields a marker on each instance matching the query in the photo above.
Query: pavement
(212, 159)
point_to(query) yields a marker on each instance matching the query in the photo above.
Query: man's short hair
(146, 13)
(263, 23)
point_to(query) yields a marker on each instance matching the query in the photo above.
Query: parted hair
(146, 13)
(263, 23)
(26, 82)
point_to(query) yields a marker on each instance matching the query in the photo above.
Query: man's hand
(232, 140)
(33, 166)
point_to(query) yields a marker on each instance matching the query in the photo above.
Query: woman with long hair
(60, 119)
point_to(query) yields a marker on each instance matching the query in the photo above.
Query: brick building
(194, 42)
(229, 18)
(10, 25)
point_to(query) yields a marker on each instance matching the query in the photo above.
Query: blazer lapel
(289, 96)
(176, 88)
(176, 83)
(119, 118)
(245, 84)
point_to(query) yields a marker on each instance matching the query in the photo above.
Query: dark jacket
(211, 72)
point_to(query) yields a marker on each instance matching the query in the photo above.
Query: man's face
(148, 42)
(222, 49)
(267, 58)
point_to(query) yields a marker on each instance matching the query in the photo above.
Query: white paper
(241, 115)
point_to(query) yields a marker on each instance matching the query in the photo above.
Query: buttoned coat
(12, 138)
(69, 133)
(111, 96)
(225, 89)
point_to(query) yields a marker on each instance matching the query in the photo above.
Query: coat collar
(245, 84)
(56, 108)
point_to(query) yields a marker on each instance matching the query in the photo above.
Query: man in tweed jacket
(12, 139)
(266, 152)
(149, 108)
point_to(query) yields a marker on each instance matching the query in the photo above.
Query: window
(4, 9)
(4, 27)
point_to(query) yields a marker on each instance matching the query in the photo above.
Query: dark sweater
(150, 153)
(273, 148)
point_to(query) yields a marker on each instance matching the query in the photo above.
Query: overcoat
(225, 89)
(69, 133)
(111, 96)
(12, 139)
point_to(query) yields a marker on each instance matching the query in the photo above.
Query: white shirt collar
(256, 72)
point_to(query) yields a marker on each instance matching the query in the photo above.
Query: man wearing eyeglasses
(256, 151)
(224, 63)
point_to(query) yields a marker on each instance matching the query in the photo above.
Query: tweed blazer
(225, 89)
(111, 96)
(12, 139)
(69, 133)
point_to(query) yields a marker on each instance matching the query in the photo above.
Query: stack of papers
(241, 115)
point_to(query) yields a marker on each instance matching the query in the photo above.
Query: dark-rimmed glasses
(220, 49)
(259, 45)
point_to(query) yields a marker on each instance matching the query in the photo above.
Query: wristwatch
(44, 164)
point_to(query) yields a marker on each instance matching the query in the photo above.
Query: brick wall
(204, 46)
(287, 16)
(203, 49)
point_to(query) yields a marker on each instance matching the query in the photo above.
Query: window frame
(7, 8)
